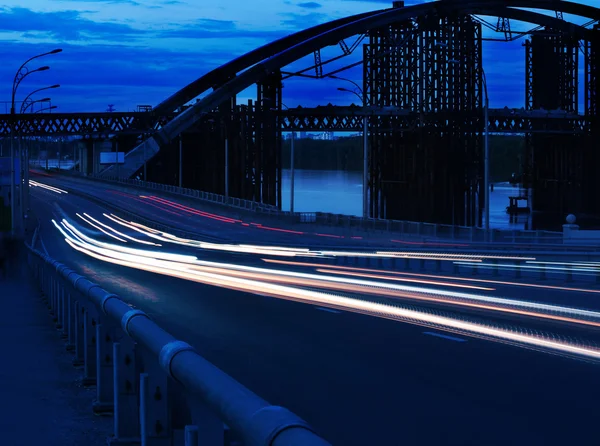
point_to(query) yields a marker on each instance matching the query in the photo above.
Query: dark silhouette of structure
(424, 92)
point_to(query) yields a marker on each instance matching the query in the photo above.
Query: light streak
(527, 267)
(143, 242)
(398, 313)
(45, 186)
(100, 229)
(432, 276)
(187, 271)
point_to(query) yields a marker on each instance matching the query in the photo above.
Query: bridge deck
(43, 400)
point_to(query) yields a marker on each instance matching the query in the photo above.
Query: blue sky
(137, 52)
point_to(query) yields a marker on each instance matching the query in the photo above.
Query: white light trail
(185, 270)
(45, 186)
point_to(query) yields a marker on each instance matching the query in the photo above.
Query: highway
(359, 373)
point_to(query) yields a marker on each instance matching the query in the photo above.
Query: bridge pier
(431, 172)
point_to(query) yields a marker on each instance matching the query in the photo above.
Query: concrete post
(292, 174)
(226, 169)
(181, 160)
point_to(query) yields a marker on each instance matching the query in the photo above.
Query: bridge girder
(504, 8)
(337, 119)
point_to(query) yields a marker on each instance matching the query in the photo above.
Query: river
(340, 192)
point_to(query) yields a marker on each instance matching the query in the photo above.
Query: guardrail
(424, 231)
(158, 388)
(494, 266)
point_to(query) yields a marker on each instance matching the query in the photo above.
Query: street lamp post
(292, 171)
(52, 107)
(24, 155)
(180, 160)
(292, 182)
(21, 74)
(486, 152)
(365, 204)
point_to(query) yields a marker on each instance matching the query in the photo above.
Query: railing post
(126, 386)
(155, 423)
(51, 295)
(206, 428)
(61, 307)
(191, 436)
(89, 348)
(569, 277)
(79, 338)
(104, 370)
(71, 323)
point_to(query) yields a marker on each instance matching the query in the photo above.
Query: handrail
(427, 232)
(74, 299)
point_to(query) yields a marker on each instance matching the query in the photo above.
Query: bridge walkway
(43, 400)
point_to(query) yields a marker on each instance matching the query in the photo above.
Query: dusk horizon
(128, 53)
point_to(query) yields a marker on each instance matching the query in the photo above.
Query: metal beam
(254, 74)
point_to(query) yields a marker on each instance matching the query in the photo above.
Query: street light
(24, 155)
(486, 151)
(21, 74)
(34, 92)
(45, 109)
(292, 179)
(30, 104)
(363, 98)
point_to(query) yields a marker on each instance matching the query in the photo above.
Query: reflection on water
(340, 192)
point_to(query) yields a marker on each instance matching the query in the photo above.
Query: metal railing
(420, 230)
(497, 268)
(401, 228)
(158, 388)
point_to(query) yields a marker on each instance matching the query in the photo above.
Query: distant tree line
(506, 155)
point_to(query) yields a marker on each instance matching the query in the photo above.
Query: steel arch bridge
(424, 110)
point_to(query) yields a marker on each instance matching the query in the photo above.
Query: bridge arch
(287, 50)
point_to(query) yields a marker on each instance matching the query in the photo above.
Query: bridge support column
(432, 173)
(126, 382)
(89, 346)
(104, 369)
(555, 162)
(79, 337)
(155, 415)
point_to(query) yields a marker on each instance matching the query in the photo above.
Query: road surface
(359, 379)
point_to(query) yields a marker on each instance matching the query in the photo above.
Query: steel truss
(92, 124)
(243, 140)
(554, 164)
(592, 154)
(390, 79)
(431, 173)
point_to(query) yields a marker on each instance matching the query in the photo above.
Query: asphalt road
(357, 379)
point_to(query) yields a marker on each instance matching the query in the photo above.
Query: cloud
(310, 5)
(120, 2)
(90, 75)
(64, 25)
(303, 21)
(220, 29)
(216, 25)
(388, 2)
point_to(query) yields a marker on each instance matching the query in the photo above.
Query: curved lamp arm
(45, 109)
(29, 104)
(23, 71)
(36, 91)
(351, 81)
